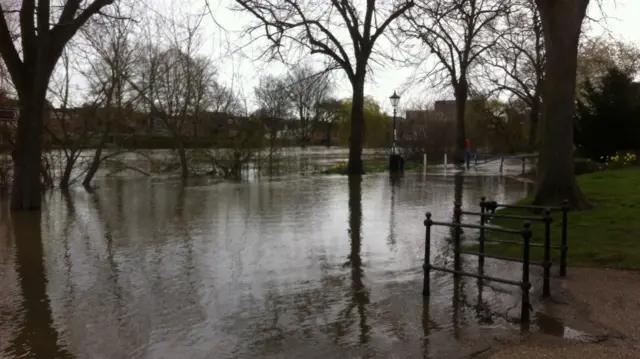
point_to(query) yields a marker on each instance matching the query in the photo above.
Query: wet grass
(370, 166)
(606, 236)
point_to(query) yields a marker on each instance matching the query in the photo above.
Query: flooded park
(294, 266)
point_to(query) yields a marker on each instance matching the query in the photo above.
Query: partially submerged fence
(492, 206)
(488, 211)
(486, 158)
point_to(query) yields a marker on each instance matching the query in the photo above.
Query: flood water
(303, 267)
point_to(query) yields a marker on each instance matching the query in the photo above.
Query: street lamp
(394, 102)
(396, 162)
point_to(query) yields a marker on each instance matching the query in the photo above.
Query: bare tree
(597, 55)
(272, 97)
(457, 33)
(317, 27)
(328, 115)
(307, 89)
(174, 82)
(110, 65)
(516, 63)
(64, 130)
(41, 45)
(561, 24)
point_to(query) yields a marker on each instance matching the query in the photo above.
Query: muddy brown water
(307, 267)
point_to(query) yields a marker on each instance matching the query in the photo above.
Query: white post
(445, 161)
(424, 163)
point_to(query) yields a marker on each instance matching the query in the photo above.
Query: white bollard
(445, 161)
(424, 163)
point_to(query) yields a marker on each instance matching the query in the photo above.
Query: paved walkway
(603, 303)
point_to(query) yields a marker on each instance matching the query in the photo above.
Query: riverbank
(597, 297)
(605, 236)
(597, 303)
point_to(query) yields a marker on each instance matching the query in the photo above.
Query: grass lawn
(606, 236)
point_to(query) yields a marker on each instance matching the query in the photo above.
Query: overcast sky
(622, 22)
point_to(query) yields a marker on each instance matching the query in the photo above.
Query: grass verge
(370, 166)
(606, 236)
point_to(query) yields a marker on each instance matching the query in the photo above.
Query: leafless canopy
(307, 90)
(343, 30)
(455, 32)
(37, 35)
(515, 64)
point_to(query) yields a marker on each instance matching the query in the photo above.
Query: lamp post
(396, 162)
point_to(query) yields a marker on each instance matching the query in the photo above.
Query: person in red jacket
(467, 154)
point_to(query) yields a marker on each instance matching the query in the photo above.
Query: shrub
(585, 165)
(619, 160)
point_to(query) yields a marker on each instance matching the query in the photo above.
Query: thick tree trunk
(356, 136)
(26, 190)
(461, 94)
(561, 20)
(329, 134)
(534, 115)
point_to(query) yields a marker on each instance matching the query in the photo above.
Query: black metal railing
(481, 253)
(492, 206)
(524, 283)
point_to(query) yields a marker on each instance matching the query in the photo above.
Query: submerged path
(603, 303)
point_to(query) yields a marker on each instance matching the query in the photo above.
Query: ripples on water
(304, 267)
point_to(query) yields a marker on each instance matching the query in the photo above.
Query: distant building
(447, 109)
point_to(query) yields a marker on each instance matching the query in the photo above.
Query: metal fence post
(426, 286)
(563, 243)
(526, 285)
(481, 238)
(546, 286)
(457, 211)
(492, 207)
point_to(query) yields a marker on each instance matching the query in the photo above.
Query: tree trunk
(93, 168)
(65, 180)
(461, 94)
(329, 125)
(356, 136)
(534, 115)
(97, 155)
(26, 190)
(184, 166)
(561, 21)
(47, 181)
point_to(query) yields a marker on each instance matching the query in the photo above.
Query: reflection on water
(36, 335)
(308, 267)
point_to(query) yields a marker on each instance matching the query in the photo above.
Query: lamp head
(394, 99)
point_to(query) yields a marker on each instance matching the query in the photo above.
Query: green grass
(606, 236)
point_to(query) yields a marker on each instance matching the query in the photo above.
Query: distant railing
(487, 158)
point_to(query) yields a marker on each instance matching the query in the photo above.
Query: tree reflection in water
(36, 338)
(360, 293)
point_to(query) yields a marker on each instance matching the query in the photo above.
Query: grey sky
(621, 22)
